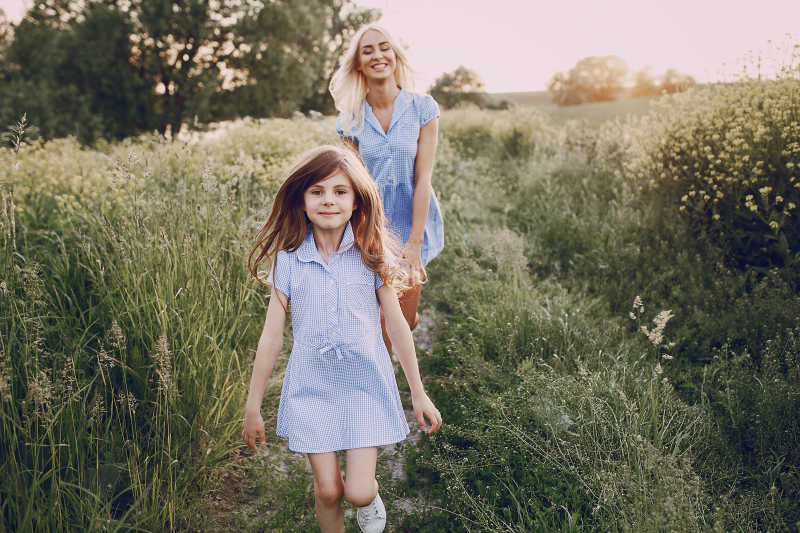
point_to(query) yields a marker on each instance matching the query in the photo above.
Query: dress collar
(307, 251)
(401, 103)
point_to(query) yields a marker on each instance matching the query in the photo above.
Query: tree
(644, 84)
(674, 82)
(290, 56)
(111, 67)
(462, 85)
(592, 79)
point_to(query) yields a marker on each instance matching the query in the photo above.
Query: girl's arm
(269, 347)
(403, 343)
(423, 172)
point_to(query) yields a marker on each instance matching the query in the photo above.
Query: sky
(517, 45)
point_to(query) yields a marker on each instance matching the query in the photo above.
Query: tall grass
(128, 326)
(127, 321)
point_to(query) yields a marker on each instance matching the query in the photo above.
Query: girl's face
(376, 57)
(330, 203)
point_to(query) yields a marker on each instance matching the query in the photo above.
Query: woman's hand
(253, 429)
(411, 257)
(424, 408)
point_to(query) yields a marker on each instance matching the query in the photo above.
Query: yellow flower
(778, 199)
(716, 216)
(773, 224)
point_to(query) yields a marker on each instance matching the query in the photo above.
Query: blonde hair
(349, 86)
(287, 224)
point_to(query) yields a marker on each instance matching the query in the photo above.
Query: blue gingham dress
(339, 391)
(390, 157)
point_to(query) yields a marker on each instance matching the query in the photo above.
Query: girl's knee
(329, 493)
(360, 493)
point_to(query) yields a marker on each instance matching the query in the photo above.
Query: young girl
(394, 131)
(327, 247)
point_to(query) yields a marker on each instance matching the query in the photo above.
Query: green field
(594, 113)
(601, 361)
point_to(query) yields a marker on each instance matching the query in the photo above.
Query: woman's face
(376, 58)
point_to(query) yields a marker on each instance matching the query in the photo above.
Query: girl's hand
(424, 408)
(411, 256)
(252, 429)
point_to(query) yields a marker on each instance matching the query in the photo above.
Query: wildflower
(98, 409)
(5, 380)
(638, 305)
(778, 199)
(40, 390)
(117, 337)
(773, 224)
(657, 371)
(127, 399)
(164, 363)
(716, 216)
(656, 335)
(765, 190)
(68, 380)
(3, 287)
(105, 360)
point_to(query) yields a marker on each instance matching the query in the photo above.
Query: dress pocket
(362, 301)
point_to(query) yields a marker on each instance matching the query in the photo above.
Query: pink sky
(516, 45)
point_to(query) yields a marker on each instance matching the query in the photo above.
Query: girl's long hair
(349, 86)
(287, 224)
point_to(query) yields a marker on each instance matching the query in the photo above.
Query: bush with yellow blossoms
(724, 161)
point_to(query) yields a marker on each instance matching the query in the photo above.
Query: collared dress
(390, 157)
(339, 391)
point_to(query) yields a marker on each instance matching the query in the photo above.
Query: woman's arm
(423, 173)
(403, 343)
(269, 347)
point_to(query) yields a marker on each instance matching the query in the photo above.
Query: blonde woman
(395, 132)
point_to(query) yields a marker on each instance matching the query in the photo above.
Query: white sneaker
(372, 518)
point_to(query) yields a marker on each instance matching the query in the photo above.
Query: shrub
(509, 134)
(723, 161)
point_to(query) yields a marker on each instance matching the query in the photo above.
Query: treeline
(110, 69)
(606, 78)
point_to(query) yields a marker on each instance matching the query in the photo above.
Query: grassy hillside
(595, 113)
(601, 361)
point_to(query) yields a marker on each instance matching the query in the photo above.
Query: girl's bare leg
(328, 491)
(360, 484)
(409, 302)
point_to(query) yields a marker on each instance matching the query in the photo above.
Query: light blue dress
(390, 157)
(339, 391)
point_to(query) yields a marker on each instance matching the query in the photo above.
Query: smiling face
(330, 203)
(376, 57)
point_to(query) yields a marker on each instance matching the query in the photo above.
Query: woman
(395, 132)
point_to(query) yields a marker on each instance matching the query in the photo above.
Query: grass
(129, 325)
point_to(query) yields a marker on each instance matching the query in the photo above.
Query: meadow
(615, 326)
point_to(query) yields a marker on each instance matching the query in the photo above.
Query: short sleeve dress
(339, 391)
(390, 157)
